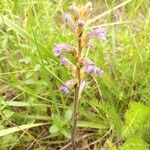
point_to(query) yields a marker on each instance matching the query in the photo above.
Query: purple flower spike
(100, 33)
(67, 86)
(69, 21)
(59, 48)
(66, 62)
(98, 71)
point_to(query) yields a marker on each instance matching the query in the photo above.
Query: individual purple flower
(89, 66)
(98, 71)
(62, 47)
(65, 88)
(69, 21)
(67, 63)
(100, 33)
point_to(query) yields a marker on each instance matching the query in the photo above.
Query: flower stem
(74, 119)
(76, 96)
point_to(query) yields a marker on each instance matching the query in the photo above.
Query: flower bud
(88, 9)
(69, 21)
(75, 11)
(80, 23)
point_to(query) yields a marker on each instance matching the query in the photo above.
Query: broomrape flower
(100, 33)
(90, 67)
(64, 61)
(65, 88)
(62, 47)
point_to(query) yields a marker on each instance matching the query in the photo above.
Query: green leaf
(86, 124)
(65, 133)
(6, 114)
(136, 117)
(113, 116)
(68, 114)
(134, 143)
(23, 104)
(53, 129)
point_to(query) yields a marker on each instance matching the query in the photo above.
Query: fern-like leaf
(136, 117)
(134, 143)
(110, 111)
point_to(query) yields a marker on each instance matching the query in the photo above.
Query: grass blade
(19, 128)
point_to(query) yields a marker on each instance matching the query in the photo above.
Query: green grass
(30, 77)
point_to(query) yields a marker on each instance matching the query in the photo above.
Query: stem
(74, 126)
(76, 96)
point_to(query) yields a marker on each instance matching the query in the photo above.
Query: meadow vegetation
(114, 110)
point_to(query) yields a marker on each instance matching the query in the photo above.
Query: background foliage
(114, 110)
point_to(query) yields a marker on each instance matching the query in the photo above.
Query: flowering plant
(83, 66)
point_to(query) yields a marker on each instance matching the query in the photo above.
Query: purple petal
(98, 71)
(66, 62)
(64, 89)
(90, 69)
(59, 48)
(87, 62)
(67, 86)
(100, 33)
